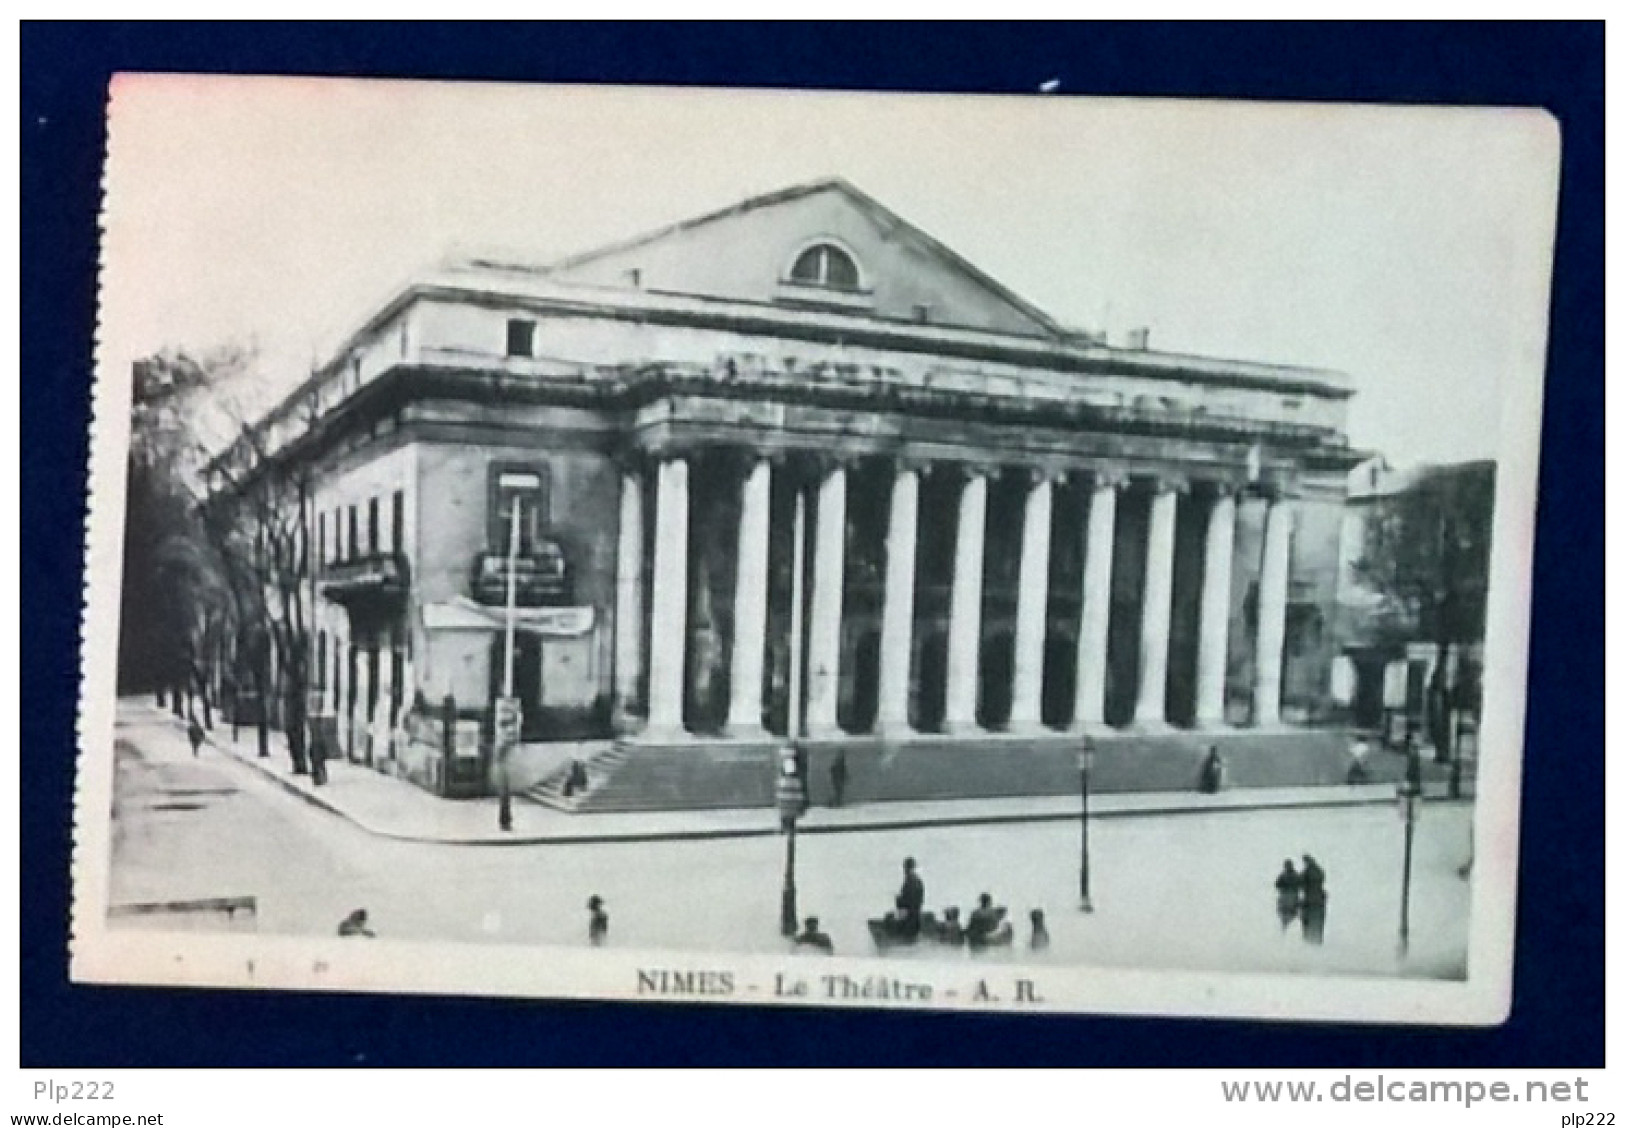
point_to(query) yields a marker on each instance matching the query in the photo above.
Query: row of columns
(668, 612)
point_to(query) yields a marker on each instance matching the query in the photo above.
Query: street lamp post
(507, 721)
(792, 787)
(1086, 762)
(1410, 801)
(787, 809)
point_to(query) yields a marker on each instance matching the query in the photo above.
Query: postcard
(1018, 554)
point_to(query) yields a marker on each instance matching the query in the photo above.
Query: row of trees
(216, 595)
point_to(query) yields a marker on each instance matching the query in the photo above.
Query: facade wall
(451, 332)
(581, 498)
(359, 652)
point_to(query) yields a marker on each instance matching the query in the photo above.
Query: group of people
(1300, 894)
(987, 926)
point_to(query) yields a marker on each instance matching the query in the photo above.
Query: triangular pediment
(749, 252)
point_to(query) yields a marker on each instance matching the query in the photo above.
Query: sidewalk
(393, 808)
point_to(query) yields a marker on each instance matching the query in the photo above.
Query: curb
(292, 788)
(919, 822)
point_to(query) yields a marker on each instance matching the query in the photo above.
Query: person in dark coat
(1313, 905)
(597, 921)
(953, 929)
(1040, 940)
(910, 900)
(986, 924)
(811, 937)
(1359, 768)
(318, 756)
(575, 781)
(355, 925)
(1313, 882)
(1212, 779)
(837, 779)
(194, 734)
(1288, 888)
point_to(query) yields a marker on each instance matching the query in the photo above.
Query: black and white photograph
(865, 550)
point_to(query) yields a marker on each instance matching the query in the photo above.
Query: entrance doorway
(527, 678)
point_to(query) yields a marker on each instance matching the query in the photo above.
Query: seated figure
(987, 925)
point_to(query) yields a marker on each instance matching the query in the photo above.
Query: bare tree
(258, 518)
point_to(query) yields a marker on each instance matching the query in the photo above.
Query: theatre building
(1004, 532)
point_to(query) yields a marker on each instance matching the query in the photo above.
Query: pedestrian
(953, 929)
(1288, 887)
(318, 754)
(910, 901)
(1313, 881)
(837, 779)
(1212, 778)
(194, 734)
(1359, 770)
(575, 780)
(811, 937)
(597, 921)
(1040, 940)
(355, 925)
(1313, 902)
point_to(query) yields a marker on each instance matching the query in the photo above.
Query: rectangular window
(521, 337)
(372, 526)
(321, 660)
(321, 539)
(397, 522)
(355, 538)
(524, 487)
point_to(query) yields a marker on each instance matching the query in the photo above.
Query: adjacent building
(1388, 649)
(1003, 531)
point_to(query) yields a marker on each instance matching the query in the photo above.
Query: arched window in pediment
(827, 266)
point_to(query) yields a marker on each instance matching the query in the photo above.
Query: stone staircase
(699, 773)
(694, 775)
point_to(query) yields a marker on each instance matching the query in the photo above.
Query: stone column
(1032, 606)
(897, 615)
(824, 620)
(750, 604)
(1213, 645)
(965, 606)
(629, 597)
(1089, 706)
(668, 629)
(1156, 606)
(1272, 595)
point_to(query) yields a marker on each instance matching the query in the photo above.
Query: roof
(895, 225)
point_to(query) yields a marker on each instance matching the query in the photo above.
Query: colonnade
(669, 601)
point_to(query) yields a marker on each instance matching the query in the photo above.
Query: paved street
(1171, 891)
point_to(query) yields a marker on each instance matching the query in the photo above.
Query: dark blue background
(1557, 1017)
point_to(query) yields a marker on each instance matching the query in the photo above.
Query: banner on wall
(463, 614)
